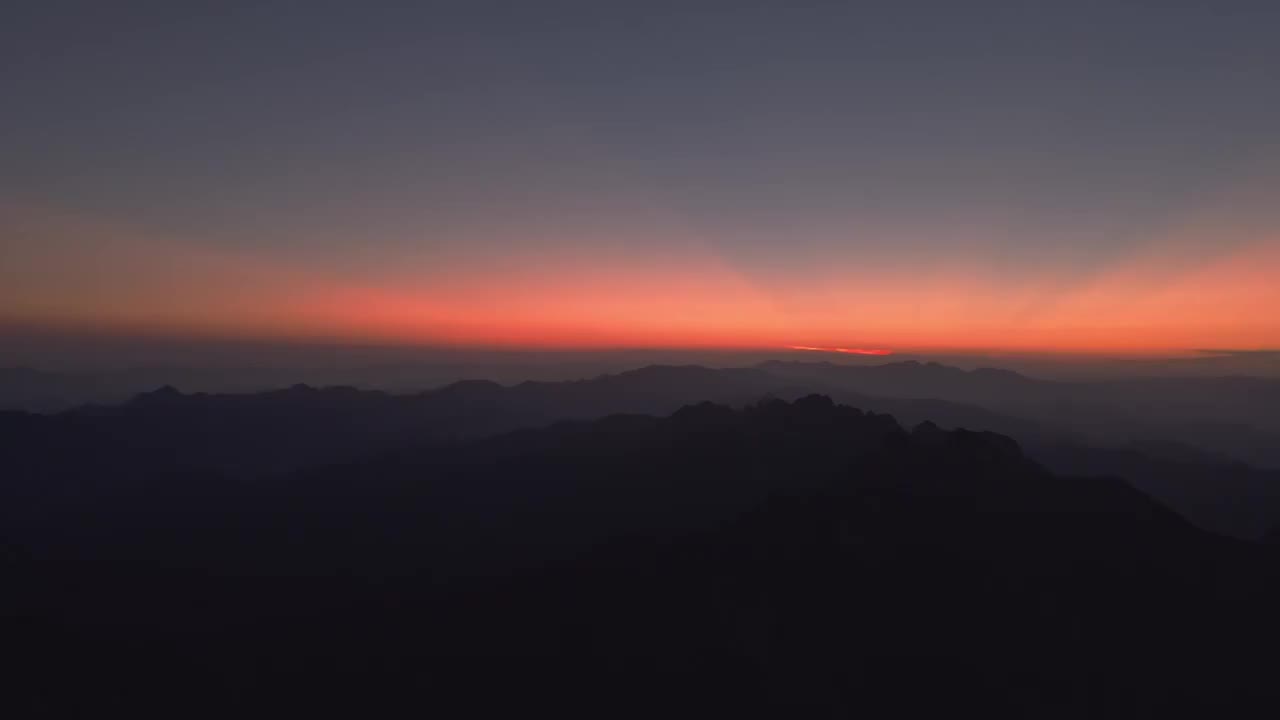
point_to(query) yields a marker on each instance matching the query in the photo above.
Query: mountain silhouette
(167, 433)
(786, 559)
(1238, 417)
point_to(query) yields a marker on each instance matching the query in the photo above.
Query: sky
(1021, 176)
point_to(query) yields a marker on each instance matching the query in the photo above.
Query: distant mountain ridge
(1235, 416)
(285, 430)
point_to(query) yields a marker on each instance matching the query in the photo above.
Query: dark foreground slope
(787, 560)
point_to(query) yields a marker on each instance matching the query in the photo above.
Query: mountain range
(1075, 428)
(782, 559)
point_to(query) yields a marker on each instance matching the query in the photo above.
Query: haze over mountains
(1207, 446)
(1235, 416)
(46, 379)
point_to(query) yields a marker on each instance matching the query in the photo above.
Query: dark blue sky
(400, 146)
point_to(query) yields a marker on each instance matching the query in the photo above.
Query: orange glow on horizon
(1188, 290)
(849, 351)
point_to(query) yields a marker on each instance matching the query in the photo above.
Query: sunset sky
(1054, 176)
